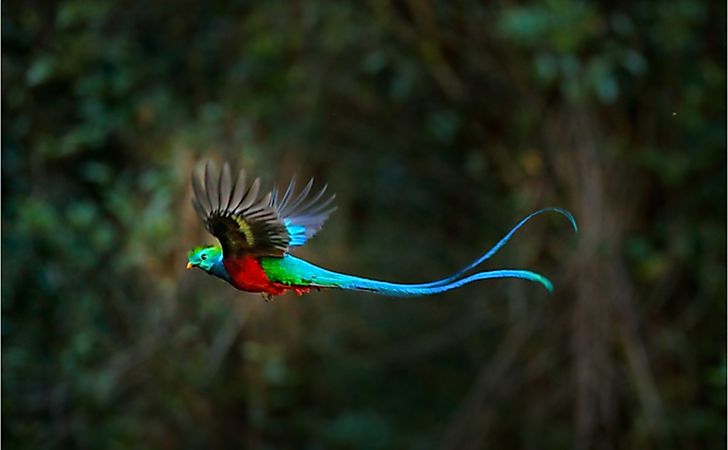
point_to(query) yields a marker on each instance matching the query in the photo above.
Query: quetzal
(256, 233)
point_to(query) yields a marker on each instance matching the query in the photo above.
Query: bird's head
(204, 257)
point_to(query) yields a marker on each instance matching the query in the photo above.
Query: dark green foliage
(439, 125)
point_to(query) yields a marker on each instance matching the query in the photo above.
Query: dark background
(439, 124)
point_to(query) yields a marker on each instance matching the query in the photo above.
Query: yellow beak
(189, 265)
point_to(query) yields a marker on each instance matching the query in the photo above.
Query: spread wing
(304, 213)
(244, 223)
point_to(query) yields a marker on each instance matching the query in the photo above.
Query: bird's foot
(267, 297)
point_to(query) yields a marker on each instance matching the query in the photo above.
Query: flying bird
(257, 232)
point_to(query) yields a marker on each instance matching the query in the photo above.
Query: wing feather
(226, 191)
(288, 193)
(304, 213)
(293, 204)
(210, 190)
(200, 196)
(250, 196)
(238, 191)
(243, 221)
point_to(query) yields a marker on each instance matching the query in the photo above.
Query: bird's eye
(203, 257)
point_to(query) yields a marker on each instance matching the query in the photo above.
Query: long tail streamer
(325, 278)
(504, 240)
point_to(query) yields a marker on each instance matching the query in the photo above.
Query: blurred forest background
(439, 124)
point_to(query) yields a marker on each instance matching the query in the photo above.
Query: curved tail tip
(568, 215)
(547, 284)
(538, 278)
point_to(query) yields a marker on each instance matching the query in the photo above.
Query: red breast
(247, 275)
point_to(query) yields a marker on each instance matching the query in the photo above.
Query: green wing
(244, 222)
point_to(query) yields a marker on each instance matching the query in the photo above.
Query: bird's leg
(267, 297)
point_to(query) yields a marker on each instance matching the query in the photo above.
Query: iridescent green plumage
(256, 233)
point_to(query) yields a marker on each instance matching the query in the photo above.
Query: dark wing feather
(244, 223)
(304, 213)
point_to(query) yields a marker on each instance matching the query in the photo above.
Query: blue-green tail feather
(410, 290)
(504, 240)
(294, 271)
